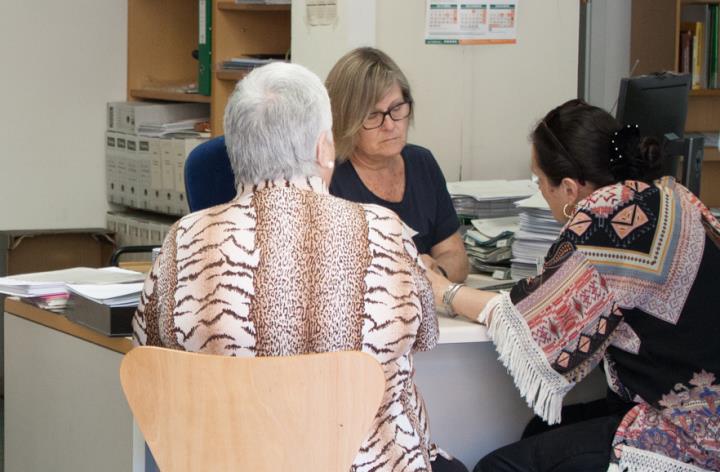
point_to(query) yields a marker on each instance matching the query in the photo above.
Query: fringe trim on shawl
(639, 460)
(542, 387)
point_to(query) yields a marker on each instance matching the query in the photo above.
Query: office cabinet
(162, 35)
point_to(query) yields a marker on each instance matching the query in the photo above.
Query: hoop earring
(565, 211)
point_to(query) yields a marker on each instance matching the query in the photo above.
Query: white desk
(473, 405)
(65, 411)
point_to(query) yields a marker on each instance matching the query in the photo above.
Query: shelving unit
(163, 33)
(654, 42)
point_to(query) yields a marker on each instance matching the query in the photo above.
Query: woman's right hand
(439, 284)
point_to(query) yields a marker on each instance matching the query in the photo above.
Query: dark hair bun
(641, 160)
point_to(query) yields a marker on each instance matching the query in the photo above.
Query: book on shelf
(714, 46)
(699, 44)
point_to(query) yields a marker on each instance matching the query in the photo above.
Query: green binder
(204, 46)
(713, 56)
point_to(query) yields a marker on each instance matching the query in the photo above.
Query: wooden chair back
(218, 413)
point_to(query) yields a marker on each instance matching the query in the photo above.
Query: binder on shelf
(144, 176)
(131, 171)
(713, 48)
(111, 158)
(156, 175)
(204, 46)
(181, 150)
(121, 160)
(167, 194)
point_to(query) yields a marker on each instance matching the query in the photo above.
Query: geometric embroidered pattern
(628, 220)
(656, 270)
(580, 223)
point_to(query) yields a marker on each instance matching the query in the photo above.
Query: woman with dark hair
(631, 281)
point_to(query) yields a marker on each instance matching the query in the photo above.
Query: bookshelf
(163, 33)
(654, 42)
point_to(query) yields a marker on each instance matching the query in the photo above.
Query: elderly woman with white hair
(287, 269)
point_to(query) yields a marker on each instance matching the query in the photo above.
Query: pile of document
(488, 244)
(112, 295)
(245, 63)
(175, 129)
(537, 231)
(50, 290)
(489, 198)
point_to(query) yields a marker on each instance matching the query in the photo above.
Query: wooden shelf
(168, 96)
(232, 6)
(711, 155)
(705, 93)
(231, 74)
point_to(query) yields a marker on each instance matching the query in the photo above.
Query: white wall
(62, 62)
(475, 104)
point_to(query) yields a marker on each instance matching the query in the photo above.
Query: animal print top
(287, 269)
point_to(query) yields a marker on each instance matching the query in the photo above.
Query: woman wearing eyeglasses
(372, 107)
(632, 281)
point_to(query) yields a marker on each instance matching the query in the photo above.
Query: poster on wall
(321, 12)
(471, 22)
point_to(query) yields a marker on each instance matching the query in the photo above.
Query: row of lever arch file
(147, 173)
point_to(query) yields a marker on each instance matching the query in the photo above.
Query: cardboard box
(42, 250)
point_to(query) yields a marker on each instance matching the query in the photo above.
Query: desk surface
(61, 323)
(452, 330)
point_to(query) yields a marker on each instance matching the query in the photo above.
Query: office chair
(219, 413)
(209, 179)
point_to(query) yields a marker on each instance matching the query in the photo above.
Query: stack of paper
(538, 230)
(245, 63)
(184, 128)
(50, 289)
(112, 295)
(489, 198)
(489, 245)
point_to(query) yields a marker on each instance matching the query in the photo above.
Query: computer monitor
(658, 103)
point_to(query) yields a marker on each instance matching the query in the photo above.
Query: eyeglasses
(399, 112)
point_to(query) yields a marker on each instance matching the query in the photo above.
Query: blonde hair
(359, 80)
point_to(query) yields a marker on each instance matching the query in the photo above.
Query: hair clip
(620, 141)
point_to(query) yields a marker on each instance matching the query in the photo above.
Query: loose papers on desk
(49, 290)
(537, 231)
(489, 198)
